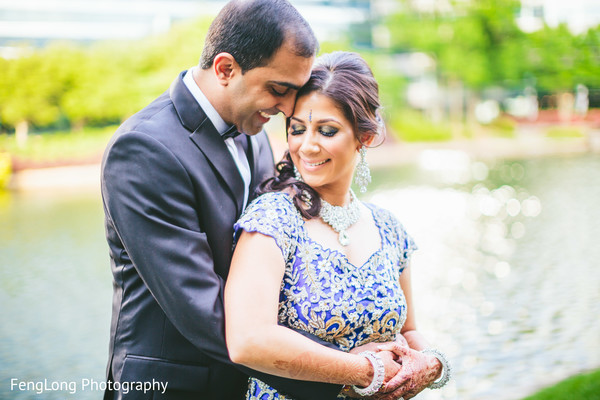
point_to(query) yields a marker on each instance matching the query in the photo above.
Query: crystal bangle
(378, 375)
(446, 368)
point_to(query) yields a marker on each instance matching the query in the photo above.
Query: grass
(411, 126)
(564, 132)
(503, 126)
(584, 387)
(53, 146)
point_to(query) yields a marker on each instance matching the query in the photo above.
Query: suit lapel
(210, 143)
(207, 139)
(253, 159)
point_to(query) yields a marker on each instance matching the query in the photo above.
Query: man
(174, 180)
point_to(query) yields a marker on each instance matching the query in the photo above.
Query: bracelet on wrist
(378, 375)
(446, 368)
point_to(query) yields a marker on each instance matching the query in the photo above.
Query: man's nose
(286, 106)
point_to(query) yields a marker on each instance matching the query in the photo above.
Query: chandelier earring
(362, 176)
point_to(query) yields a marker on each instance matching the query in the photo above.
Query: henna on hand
(418, 372)
(306, 365)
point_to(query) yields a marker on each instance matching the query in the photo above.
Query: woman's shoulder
(272, 205)
(272, 200)
(387, 221)
(383, 215)
(272, 214)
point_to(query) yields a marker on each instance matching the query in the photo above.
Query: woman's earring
(362, 176)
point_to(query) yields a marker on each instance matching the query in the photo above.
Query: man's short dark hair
(253, 30)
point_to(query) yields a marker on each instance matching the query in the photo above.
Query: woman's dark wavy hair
(345, 78)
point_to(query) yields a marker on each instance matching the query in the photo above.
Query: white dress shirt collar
(210, 111)
(235, 149)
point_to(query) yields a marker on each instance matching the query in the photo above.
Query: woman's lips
(315, 163)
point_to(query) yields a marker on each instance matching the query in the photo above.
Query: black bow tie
(232, 132)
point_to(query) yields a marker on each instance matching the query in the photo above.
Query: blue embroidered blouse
(322, 292)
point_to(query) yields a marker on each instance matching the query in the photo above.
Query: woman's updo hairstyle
(346, 79)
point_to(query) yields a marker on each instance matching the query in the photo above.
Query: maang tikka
(362, 175)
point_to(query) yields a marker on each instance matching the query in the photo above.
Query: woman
(312, 257)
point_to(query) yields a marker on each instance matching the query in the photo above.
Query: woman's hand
(392, 367)
(401, 340)
(390, 359)
(418, 371)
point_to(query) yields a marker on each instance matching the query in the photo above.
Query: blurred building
(579, 15)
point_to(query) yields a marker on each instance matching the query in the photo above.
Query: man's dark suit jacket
(171, 194)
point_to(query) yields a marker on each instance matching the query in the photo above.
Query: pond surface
(506, 280)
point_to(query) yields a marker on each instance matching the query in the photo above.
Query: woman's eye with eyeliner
(328, 130)
(297, 129)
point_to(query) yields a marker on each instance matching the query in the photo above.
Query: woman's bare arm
(254, 338)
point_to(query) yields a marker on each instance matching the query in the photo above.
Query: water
(506, 280)
(55, 293)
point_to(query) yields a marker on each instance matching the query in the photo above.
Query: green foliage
(475, 45)
(29, 90)
(585, 386)
(391, 85)
(480, 44)
(587, 56)
(410, 126)
(100, 84)
(551, 58)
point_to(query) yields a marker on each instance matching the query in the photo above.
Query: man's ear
(225, 68)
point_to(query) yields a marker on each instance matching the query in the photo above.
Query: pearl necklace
(341, 218)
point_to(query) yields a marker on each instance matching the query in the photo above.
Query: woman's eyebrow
(321, 121)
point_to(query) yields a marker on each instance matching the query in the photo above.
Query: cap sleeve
(406, 245)
(274, 215)
(399, 241)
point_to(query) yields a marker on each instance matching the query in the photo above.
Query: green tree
(102, 86)
(29, 92)
(551, 58)
(478, 43)
(587, 59)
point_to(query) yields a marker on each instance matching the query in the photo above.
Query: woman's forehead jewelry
(310, 116)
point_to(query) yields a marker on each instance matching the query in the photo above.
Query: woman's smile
(314, 163)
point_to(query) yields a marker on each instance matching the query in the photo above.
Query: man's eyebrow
(286, 84)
